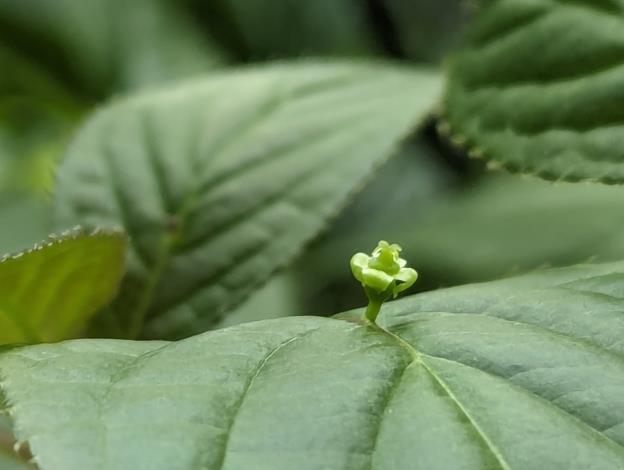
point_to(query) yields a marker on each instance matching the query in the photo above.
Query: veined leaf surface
(220, 182)
(539, 88)
(518, 374)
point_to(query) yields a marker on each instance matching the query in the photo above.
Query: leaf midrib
(418, 358)
(169, 242)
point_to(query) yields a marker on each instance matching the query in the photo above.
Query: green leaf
(222, 181)
(519, 374)
(539, 87)
(50, 291)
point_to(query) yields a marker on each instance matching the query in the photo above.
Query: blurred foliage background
(457, 221)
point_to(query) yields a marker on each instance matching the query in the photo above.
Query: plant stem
(372, 310)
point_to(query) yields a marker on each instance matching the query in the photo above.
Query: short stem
(372, 310)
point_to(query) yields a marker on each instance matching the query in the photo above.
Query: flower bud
(383, 274)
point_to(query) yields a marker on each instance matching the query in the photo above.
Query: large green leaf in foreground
(521, 374)
(540, 88)
(50, 291)
(220, 182)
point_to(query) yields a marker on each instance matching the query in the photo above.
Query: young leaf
(50, 291)
(520, 374)
(539, 89)
(221, 181)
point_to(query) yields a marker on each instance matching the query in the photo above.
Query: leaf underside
(220, 182)
(525, 373)
(50, 291)
(539, 89)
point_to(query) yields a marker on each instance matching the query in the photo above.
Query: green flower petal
(406, 277)
(376, 279)
(386, 258)
(359, 261)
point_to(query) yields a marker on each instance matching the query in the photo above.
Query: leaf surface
(220, 182)
(50, 291)
(538, 89)
(517, 374)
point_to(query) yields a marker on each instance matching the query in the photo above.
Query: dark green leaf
(540, 88)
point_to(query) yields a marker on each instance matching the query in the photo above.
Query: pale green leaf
(538, 89)
(50, 291)
(221, 181)
(521, 374)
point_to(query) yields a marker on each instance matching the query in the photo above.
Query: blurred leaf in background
(456, 231)
(24, 219)
(268, 29)
(58, 60)
(221, 181)
(426, 29)
(106, 46)
(36, 115)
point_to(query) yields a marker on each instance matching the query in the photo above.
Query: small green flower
(383, 275)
